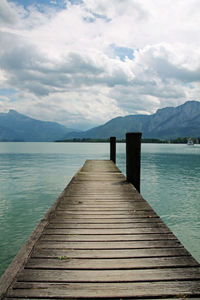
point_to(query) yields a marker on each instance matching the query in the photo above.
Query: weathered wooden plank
(127, 197)
(108, 171)
(96, 187)
(111, 264)
(114, 191)
(106, 225)
(106, 187)
(68, 220)
(103, 207)
(102, 203)
(138, 214)
(106, 290)
(117, 253)
(102, 237)
(134, 197)
(114, 185)
(94, 178)
(109, 245)
(150, 298)
(77, 194)
(107, 231)
(107, 199)
(100, 206)
(98, 165)
(91, 275)
(109, 179)
(105, 211)
(95, 192)
(103, 177)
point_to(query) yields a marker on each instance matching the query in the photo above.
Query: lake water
(32, 175)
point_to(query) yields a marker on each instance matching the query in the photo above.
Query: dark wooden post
(113, 148)
(133, 157)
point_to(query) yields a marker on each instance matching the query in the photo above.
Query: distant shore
(196, 140)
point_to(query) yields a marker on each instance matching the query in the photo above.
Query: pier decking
(101, 239)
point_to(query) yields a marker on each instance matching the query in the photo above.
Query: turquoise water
(32, 175)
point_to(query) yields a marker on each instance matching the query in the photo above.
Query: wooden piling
(133, 158)
(113, 148)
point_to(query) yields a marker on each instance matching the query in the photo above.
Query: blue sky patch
(89, 19)
(98, 16)
(95, 16)
(123, 52)
(76, 2)
(10, 93)
(7, 92)
(52, 3)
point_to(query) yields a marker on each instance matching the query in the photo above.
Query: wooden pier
(101, 239)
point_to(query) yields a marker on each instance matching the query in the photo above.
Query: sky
(84, 62)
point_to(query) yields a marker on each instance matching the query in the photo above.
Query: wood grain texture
(64, 220)
(117, 253)
(124, 298)
(101, 239)
(108, 237)
(98, 275)
(124, 231)
(107, 290)
(113, 263)
(108, 244)
(94, 226)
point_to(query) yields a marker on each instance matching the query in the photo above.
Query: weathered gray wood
(166, 298)
(111, 264)
(106, 225)
(105, 202)
(100, 215)
(96, 189)
(103, 207)
(102, 239)
(117, 253)
(106, 197)
(109, 245)
(108, 237)
(124, 231)
(68, 220)
(106, 214)
(106, 290)
(134, 275)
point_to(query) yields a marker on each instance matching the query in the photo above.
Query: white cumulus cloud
(95, 59)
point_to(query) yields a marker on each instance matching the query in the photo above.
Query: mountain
(166, 123)
(17, 127)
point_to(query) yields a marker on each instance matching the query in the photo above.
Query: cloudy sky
(83, 62)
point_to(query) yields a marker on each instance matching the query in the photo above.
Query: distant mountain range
(17, 127)
(166, 123)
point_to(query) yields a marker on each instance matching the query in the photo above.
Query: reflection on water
(33, 174)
